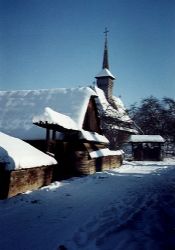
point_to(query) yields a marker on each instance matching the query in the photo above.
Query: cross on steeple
(106, 33)
(105, 56)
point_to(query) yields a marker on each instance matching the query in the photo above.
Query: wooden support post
(53, 135)
(47, 139)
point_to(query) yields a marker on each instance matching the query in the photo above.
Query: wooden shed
(147, 147)
(23, 167)
(84, 157)
(91, 158)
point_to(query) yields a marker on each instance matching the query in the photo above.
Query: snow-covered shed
(147, 147)
(23, 167)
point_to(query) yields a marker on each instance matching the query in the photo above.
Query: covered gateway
(147, 147)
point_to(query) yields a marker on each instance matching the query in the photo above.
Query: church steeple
(105, 77)
(105, 56)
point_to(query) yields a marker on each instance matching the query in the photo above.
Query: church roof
(119, 112)
(105, 73)
(17, 108)
(114, 113)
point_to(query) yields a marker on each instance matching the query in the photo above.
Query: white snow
(146, 138)
(131, 208)
(17, 154)
(52, 117)
(93, 136)
(17, 108)
(119, 112)
(105, 152)
(105, 72)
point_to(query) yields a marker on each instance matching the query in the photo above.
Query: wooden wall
(22, 180)
(88, 166)
(91, 120)
(73, 160)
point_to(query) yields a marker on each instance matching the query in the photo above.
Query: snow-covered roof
(146, 138)
(93, 137)
(104, 73)
(52, 117)
(17, 108)
(64, 106)
(117, 111)
(105, 152)
(114, 110)
(17, 154)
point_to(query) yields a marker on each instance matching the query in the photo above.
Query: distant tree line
(154, 116)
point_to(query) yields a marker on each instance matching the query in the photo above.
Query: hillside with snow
(131, 208)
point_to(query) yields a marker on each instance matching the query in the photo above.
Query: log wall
(19, 181)
(86, 166)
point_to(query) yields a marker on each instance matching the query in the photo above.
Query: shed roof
(17, 154)
(146, 138)
(93, 137)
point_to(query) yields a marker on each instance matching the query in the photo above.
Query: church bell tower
(105, 78)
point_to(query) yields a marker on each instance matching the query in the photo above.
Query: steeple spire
(105, 77)
(105, 56)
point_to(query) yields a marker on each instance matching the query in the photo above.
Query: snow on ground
(131, 208)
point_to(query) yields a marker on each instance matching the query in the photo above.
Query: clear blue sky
(59, 43)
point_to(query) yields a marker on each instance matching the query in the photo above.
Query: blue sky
(59, 43)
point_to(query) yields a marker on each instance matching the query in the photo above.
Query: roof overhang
(54, 127)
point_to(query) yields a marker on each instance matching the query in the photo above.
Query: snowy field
(130, 208)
